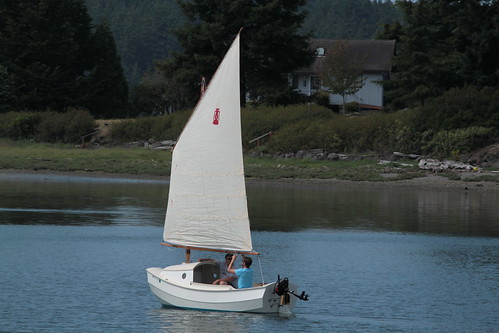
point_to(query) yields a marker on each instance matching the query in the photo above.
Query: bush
(459, 141)
(321, 98)
(460, 108)
(261, 120)
(159, 128)
(47, 126)
(19, 125)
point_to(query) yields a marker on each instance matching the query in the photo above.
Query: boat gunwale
(216, 288)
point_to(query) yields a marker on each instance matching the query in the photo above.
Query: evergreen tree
(7, 97)
(348, 19)
(270, 45)
(105, 85)
(143, 31)
(44, 46)
(442, 44)
(50, 51)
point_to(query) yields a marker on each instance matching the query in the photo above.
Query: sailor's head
(247, 262)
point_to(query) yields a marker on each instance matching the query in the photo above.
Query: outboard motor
(281, 288)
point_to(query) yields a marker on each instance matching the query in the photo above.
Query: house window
(294, 81)
(316, 82)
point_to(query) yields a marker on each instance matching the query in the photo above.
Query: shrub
(19, 125)
(459, 141)
(48, 126)
(261, 120)
(66, 127)
(321, 98)
(78, 123)
(352, 107)
(51, 127)
(460, 108)
(159, 128)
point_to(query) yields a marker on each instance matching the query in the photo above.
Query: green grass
(42, 156)
(362, 170)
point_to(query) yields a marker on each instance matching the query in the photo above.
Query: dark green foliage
(19, 125)
(47, 126)
(43, 46)
(7, 89)
(261, 120)
(143, 30)
(156, 128)
(375, 132)
(461, 108)
(301, 127)
(348, 19)
(54, 61)
(271, 45)
(105, 85)
(459, 141)
(442, 44)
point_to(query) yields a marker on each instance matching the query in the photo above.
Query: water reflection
(272, 206)
(70, 201)
(188, 321)
(290, 208)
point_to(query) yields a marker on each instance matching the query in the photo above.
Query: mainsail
(207, 205)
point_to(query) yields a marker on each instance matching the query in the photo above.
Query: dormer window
(320, 52)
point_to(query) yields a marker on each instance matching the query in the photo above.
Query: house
(376, 66)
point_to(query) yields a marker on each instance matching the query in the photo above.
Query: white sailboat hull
(204, 296)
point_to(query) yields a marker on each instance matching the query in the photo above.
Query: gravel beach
(430, 181)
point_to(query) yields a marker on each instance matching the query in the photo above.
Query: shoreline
(430, 181)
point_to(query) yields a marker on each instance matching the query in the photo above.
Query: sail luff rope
(261, 271)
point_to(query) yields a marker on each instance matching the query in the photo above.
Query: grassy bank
(40, 156)
(140, 161)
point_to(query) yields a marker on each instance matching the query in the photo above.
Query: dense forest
(61, 67)
(144, 29)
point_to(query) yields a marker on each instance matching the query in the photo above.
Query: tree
(270, 45)
(442, 44)
(348, 19)
(105, 84)
(7, 96)
(49, 49)
(340, 70)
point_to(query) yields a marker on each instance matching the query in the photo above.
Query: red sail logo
(216, 116)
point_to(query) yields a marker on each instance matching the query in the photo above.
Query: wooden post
(187, 255)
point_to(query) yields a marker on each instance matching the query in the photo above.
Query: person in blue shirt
(245, 274)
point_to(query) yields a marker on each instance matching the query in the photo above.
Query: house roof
(377, 53)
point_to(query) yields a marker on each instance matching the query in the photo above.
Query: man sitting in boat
(245, 274)
(225, 276)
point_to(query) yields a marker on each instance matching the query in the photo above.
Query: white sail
(207, 200)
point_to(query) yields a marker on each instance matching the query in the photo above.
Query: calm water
(73, 254)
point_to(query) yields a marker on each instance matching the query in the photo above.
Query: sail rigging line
(261, 271)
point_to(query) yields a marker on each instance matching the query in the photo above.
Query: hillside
(143, 29)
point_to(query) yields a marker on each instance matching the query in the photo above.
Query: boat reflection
(189, 321)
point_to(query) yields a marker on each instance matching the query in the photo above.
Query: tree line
(442, 44)
(53, 57)
(144, 29)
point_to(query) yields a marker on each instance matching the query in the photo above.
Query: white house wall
(371, 93)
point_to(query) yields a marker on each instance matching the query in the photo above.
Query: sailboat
(207, 207)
